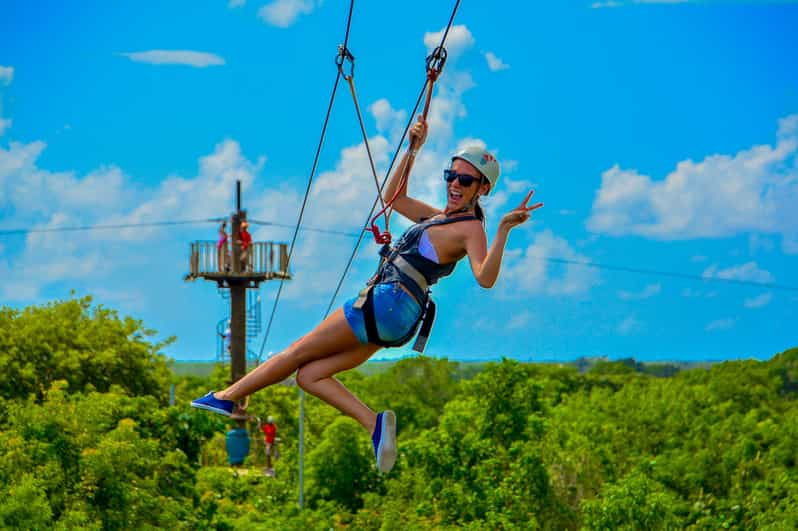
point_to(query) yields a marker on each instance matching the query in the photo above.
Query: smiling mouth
(455, 196)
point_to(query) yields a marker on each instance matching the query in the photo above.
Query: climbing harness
(405, 265)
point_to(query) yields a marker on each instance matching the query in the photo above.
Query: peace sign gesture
(519, 214)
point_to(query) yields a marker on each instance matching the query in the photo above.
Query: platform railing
(267, 259)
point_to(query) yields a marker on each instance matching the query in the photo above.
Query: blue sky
(660, 135)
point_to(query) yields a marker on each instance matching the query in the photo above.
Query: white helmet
(482, 160)
(270, 419)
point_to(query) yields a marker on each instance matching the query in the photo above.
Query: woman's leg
(331, 336)
(316, 378)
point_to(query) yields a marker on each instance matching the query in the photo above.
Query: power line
(304, 229)
(14, 232)
(10, 232)
(583, 263)
(670, 274)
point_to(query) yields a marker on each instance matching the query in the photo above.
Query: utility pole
(265, 261)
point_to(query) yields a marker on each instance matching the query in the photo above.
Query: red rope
(435, 64)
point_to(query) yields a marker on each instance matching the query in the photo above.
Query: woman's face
(459, 196)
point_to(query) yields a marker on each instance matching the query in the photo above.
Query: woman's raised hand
(519, 214)
(418, 133)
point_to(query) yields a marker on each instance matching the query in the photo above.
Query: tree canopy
(87, 440)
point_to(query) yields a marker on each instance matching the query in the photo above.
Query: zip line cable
(390, 167)
(310, 179)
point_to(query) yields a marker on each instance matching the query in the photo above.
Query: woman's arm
(411, 208)
(486, 264)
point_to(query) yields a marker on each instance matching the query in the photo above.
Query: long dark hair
(479, 213)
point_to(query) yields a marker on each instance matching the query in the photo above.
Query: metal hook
(436, 60)
(345, 55)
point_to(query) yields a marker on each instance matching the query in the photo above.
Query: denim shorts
(395, 310)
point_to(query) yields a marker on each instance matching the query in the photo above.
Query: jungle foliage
(88, 441)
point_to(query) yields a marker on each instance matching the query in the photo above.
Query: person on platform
(222, 248)
(245, 240)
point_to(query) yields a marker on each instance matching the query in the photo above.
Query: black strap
(370, 320)
(446, 221)
(426, 326)
(371, 324)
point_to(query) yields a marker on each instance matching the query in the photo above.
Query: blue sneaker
(384, 441)
(209, 402)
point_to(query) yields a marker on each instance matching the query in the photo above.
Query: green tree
(341, 467)
(88, 347)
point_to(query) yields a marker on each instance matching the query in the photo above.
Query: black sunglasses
(464, 178)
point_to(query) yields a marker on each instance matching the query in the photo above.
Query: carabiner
(345, 55)
(435, 62)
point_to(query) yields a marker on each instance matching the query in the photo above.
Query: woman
(245, 241)
(396, 296)
(221, 248)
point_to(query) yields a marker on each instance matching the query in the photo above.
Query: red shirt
(269, 430)
(246, 239)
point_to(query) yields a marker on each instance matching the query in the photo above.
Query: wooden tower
(266, 261)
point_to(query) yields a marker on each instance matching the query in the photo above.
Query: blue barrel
(237, 446)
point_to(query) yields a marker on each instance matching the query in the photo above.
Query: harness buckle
(362, 296)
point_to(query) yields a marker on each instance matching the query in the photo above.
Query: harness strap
(365, 298)
(426, 327)
(370, 320)
(405, 267)
(371, 323)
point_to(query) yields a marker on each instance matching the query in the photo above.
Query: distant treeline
(467, 369)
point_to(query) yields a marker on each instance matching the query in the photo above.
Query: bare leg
(316, 378)
(331, 336)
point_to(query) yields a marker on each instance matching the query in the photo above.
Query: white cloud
(283, 13)
(757, 242)
(759, 301)
(747, 272)
(348, 183)
(389, 121)
(647, 292)
(34, 191)
(531, 270)
(519, 320)
(495, 63)
(720, 324)
(694, 293)
(176, 57)
(754, 190)
(6, 75)
(458, 40)
(630, 326)
(42, 199)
